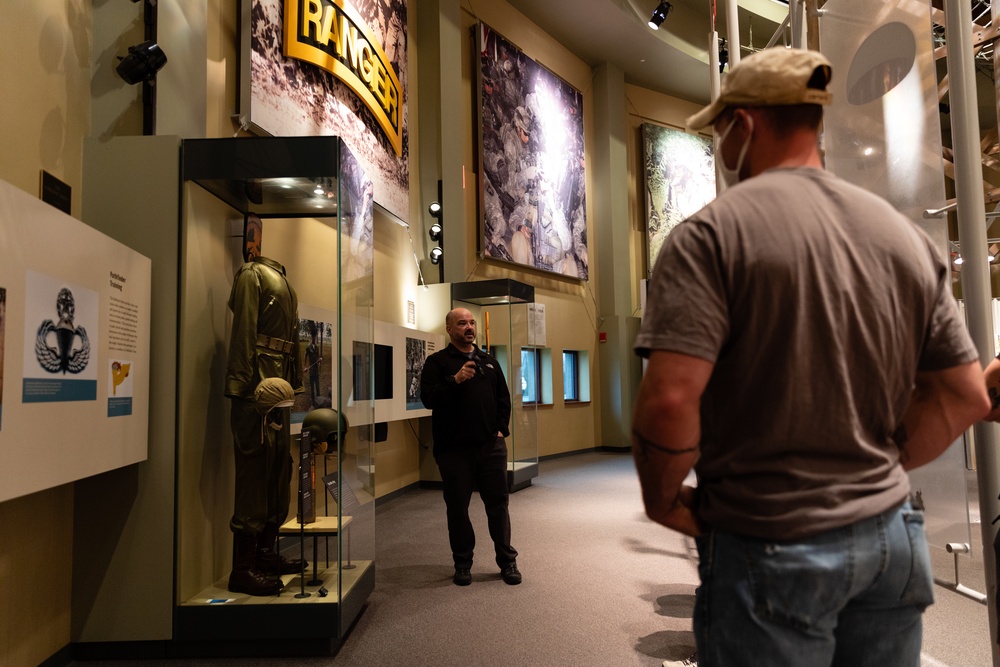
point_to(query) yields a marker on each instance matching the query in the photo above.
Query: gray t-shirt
(817, 302)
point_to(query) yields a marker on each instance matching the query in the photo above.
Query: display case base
(520, 474)
(217, 616)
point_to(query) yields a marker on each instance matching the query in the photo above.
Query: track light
(434, 209)
(659, 14)
(142, 63)
(436, 255)
(435, 231)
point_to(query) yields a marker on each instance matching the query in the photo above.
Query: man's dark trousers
(467, 468)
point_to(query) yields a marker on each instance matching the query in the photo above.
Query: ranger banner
(332, 35)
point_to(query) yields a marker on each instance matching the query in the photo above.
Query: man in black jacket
(466, 390)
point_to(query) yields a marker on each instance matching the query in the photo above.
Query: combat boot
(245, 578)
(272, 562)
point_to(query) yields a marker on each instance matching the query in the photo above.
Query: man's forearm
(938, 413)
(664, 460)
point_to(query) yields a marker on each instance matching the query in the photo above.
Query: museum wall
(45, 47)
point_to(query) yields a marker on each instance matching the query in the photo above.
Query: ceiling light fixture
(659, 14)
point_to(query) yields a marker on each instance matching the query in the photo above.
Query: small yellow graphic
(119, 372)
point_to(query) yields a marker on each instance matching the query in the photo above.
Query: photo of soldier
(534, 187)
(316, 341)
(680, 180)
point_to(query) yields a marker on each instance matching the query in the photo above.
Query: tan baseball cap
(770, 78)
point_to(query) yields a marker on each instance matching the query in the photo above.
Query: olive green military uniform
(264, 344)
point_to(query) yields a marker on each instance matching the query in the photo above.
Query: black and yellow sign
(332, 35)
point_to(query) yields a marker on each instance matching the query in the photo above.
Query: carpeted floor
(603, 586)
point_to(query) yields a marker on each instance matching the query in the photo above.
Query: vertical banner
(883, 130)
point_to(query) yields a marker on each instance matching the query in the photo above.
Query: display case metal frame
(276, 178)
(500, 307)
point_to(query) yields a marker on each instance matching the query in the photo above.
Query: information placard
(75, 328)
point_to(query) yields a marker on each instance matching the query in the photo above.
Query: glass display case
(306, 204)
(501, 309)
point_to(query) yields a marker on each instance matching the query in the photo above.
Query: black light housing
(142, 63)
(659, 14)
(434, 209)
(437, 254)
(723, 55)
(435, 231)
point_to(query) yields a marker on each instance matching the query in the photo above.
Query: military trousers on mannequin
(263, 472)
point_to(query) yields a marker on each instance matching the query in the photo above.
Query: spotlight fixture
(142, 63)
(434, 209)
(659, 14)
(436, 255)
(435, 231)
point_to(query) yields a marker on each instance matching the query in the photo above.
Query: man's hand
(466, 372)
(681, 516)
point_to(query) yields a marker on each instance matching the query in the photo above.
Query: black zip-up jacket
(467, 414)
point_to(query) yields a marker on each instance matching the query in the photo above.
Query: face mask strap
(732, 176)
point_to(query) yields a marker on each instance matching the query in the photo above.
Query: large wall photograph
(533, 188)
(679, 180)
(287, 95)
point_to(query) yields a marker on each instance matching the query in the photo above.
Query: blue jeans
(851, 596)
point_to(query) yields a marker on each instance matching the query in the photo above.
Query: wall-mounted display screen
(372, 371)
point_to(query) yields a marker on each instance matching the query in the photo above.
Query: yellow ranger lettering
(331, 35)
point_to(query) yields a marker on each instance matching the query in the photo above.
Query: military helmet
(325, 426)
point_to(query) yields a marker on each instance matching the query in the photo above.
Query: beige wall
(44, 82)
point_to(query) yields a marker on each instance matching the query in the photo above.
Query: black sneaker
(463, 577)
(511, 575)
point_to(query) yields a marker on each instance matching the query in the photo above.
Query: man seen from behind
(805, 350)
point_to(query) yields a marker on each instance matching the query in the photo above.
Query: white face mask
(732, 176)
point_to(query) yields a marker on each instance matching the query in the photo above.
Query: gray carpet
(602, 585)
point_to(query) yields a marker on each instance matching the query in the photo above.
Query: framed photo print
(531, 152)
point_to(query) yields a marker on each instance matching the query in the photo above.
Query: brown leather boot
(271, 562)
(245, 578)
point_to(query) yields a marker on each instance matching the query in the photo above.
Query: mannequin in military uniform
(264, 344)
